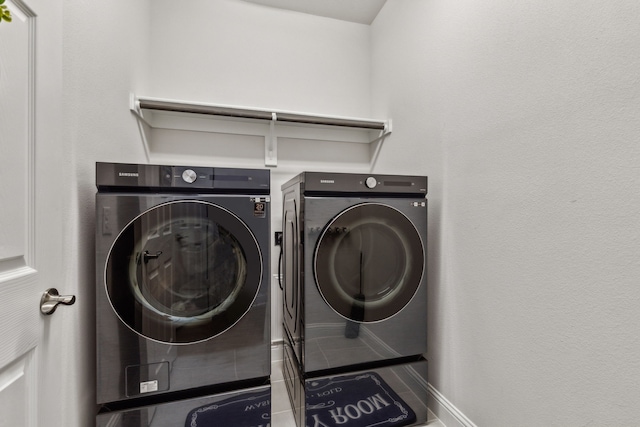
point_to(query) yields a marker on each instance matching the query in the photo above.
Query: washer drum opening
(183, 272)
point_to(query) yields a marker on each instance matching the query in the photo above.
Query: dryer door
(291, 268)
(369, 262)
(183, 272)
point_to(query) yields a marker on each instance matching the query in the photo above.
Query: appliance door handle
(51, 298)
(280, 267)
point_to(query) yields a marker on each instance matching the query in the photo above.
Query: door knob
(51, 298)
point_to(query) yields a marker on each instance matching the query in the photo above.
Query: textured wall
(104, 58)
(232, 52)
(533, 307)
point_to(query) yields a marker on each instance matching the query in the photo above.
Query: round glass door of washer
(183, 272)
(369, 262)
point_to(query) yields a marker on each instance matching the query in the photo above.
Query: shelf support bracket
(134, 106)
(271, 143)
(376, 144)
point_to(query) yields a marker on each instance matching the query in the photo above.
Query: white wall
(232, 52)
(532, 109)
(104, 58)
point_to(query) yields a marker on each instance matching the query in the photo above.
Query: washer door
(369, 262)
(183, 272)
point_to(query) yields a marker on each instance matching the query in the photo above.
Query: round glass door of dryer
(183, 272)
(369, 262)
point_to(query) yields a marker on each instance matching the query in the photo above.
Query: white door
(31, 258)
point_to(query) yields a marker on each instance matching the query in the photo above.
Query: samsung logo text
(133, 174)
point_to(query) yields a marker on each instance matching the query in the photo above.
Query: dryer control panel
(336, 183)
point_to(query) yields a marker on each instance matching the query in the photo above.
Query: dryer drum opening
(369, 257)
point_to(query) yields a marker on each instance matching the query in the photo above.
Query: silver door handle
(51, 298)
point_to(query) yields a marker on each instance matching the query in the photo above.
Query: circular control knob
(370, 182)
(189, 176)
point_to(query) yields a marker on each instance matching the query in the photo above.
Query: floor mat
(362, 400)
(245, 410)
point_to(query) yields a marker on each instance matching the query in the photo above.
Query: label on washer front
(259, 209)
(148, 386)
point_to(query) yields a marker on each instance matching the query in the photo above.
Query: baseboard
(446, 411)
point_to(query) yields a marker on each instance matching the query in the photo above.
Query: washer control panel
(371, 182)
(143, 177)
(189, 176)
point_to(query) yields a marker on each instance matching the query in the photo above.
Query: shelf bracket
(134, 106)
(376, 144)
(271, 143)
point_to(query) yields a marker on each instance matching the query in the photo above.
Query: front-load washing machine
(354, 269)
(182, 272)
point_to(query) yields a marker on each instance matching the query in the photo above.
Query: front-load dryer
(182, 272)
(354, 269)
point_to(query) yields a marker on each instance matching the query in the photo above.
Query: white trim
(30, 253)
(446, 411)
